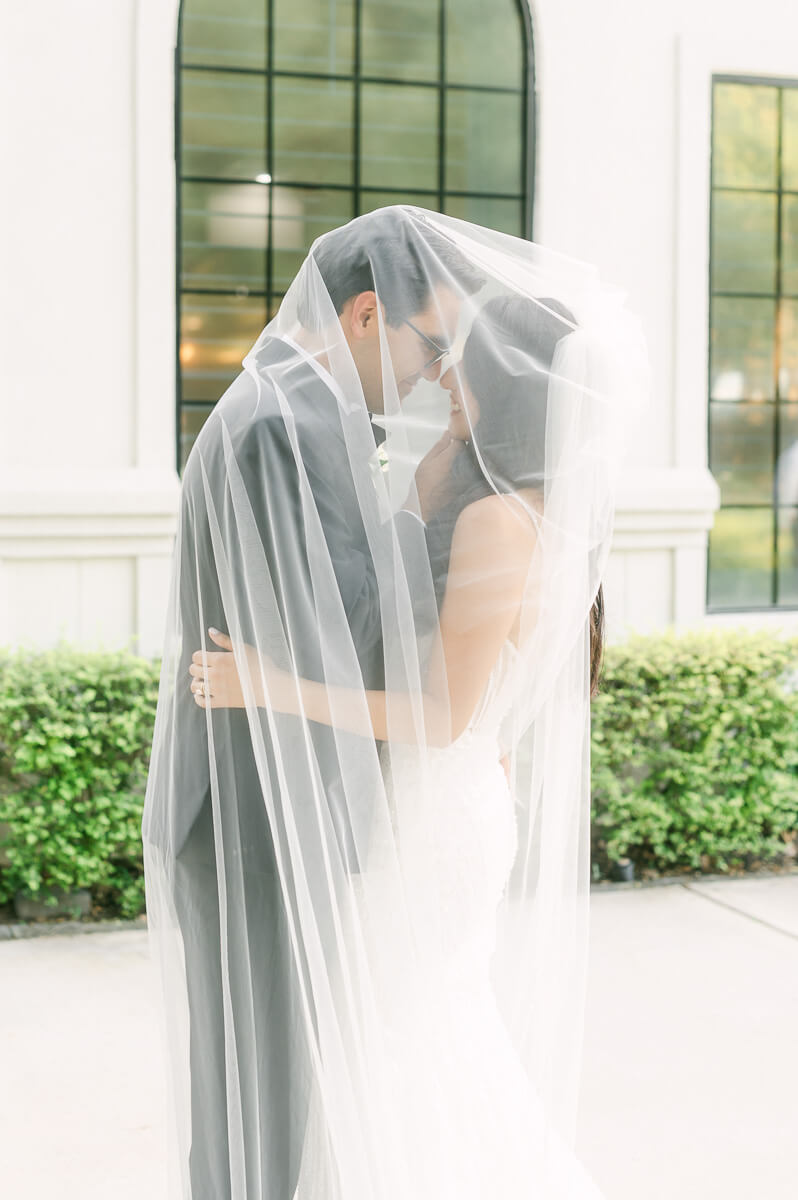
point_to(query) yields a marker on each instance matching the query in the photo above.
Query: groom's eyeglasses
(440, 351)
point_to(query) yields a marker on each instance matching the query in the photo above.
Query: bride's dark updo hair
(510, 335)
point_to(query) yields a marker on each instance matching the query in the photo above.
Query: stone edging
(31, 929)
(609, 885)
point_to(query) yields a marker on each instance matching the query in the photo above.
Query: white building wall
(88, 490)
(624, 168)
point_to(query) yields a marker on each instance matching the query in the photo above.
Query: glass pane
(313, 131)
(741, 351)
(224, 232)
(215, 334)
(789, 245)
(743, 242)
(741, 558)
(505, 215)
(787, 464)
(224, 33)
(788, 556)
(371, 200)
(789, 138)
(300, 216)
(223, 124)
(400, 39)
(745, 134)
(485, 43)
(483, 142)
(788, 340)
(741, 452)
(314, 36)
(399, 136)
(274, 304)
(191, 422)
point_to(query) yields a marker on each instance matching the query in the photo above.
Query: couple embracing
(366, 825)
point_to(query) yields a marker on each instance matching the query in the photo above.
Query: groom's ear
(363, 315)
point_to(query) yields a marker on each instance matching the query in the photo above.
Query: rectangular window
(753, 339)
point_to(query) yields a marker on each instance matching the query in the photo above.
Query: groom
(420, 311)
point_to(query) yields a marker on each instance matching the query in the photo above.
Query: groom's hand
(432, 476)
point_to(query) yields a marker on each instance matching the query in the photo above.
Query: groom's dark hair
(411, 258)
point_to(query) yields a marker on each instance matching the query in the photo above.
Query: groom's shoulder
(265, 411)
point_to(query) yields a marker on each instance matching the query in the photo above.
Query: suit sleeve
(269, 469)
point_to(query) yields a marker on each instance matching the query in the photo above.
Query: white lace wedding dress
(472, 1125)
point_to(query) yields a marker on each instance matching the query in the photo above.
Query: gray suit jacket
(266, 462)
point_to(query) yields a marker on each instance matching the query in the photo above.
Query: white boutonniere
(379, 464)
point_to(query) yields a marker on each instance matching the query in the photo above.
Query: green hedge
(75, 736)
(694, 752)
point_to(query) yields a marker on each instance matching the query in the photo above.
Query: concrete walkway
(690, 1073)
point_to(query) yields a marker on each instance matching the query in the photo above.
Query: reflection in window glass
(788, 556)
(400, 39)
(788, 343)
(224, 33)
(789, 166)
(745, 135)
(369, 200)
(224, 228)
(741, 458)
(215, 334)
(300, 216)
(789, 245)
(313, 131)
(753, 423)
(191, 421)
(224, 235)
(485, 43)
(743, 337)
(476, 159)
(399, 136)
(314, 36)
(741, 558)
(744, 242)
(504, 215)
(787, 461)
(222, 124)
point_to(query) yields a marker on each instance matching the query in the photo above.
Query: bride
(429, 821)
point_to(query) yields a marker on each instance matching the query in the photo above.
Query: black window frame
(525, 196)
(778, 295)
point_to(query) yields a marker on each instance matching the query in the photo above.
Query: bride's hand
(215, 679)
(432, 476)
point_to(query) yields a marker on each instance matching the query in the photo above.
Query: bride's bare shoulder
(501, 520)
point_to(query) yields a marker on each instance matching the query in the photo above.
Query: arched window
(753, 375)
(293, 116)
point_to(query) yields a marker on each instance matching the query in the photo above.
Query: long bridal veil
(294, 898)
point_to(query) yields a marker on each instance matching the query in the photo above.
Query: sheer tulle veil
(294, 886)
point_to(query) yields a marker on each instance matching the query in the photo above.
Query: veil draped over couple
(366, 828)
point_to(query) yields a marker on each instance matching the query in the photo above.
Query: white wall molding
(154, 236)
(664, 507)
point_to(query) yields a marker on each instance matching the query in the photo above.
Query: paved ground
(691, 1061)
